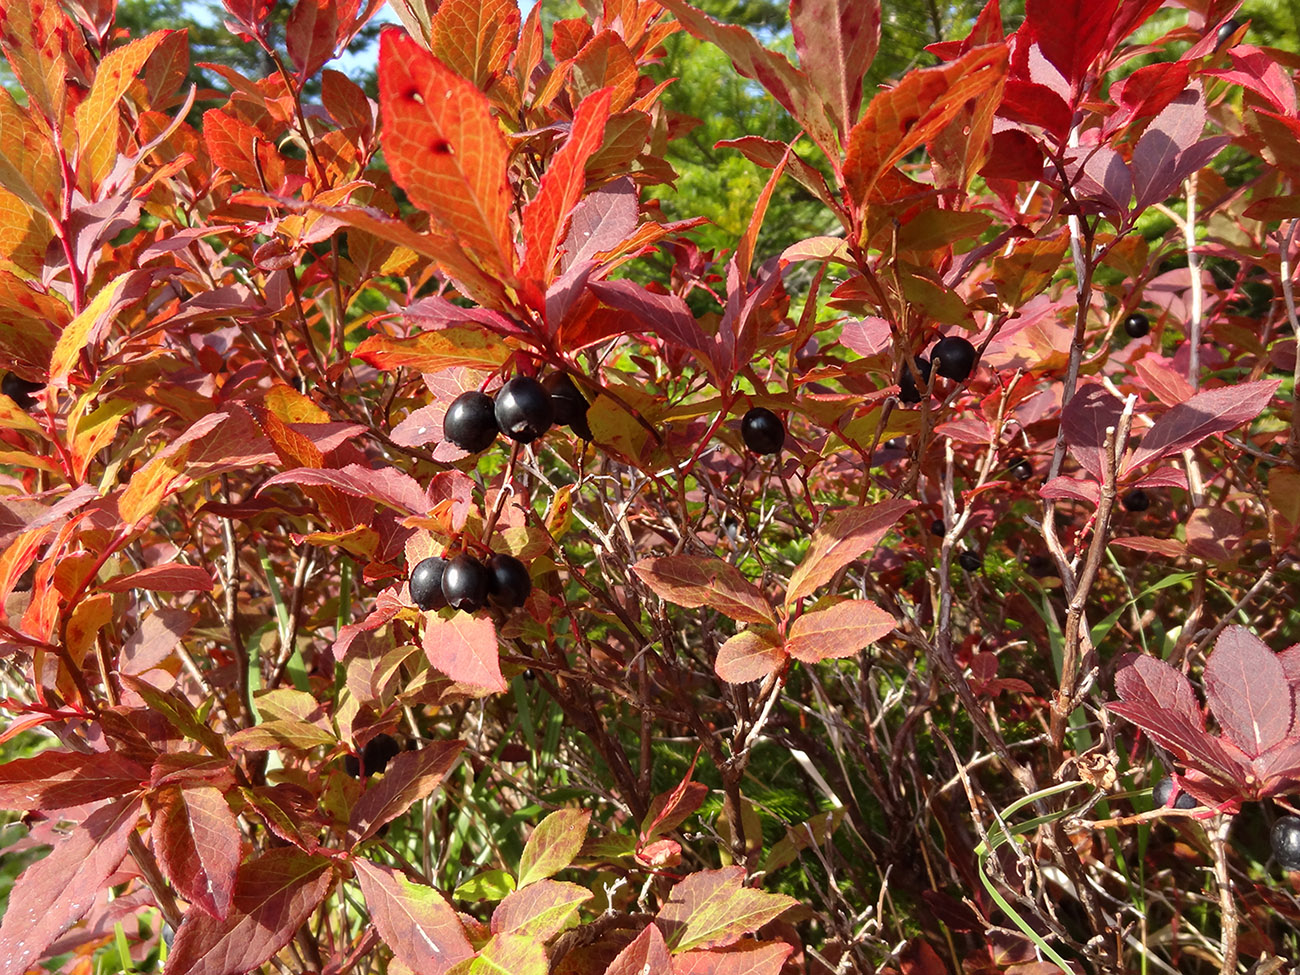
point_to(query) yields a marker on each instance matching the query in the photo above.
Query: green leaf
(553, 845)
(490, 885)
(711, 909)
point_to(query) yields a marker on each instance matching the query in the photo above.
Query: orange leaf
(98, 117)
(547, 214)
(445, 148)
(475, 37)
(605, 62)
(749, 655)
(914, 112)
(839, 631)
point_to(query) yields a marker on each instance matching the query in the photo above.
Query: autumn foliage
(890, 700)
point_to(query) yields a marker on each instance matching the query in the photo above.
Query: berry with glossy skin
(1225, 31)
(1136, 500)
(1022, 470)
(568, 404)
(379, 751)
(510, 583)
(524, 411)
(470, 422)
(953, 358)
(1137, 325)
(762, 431)
(937, 527)
(1286, 842)
(907, 390)
(465, 583)
(970, 560)
(1164, 789)
(426, 584)
(19, 390)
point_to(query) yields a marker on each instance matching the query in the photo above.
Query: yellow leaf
(149, 485)
(98, 118)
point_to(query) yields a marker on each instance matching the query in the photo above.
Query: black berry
(379, 751)
(1022, 470)
(524, 411)
(465, 583)
(970, 560)
(19, 390)
(1164, 789)
(529, 675)
(1039, 566)
(510, 583)
(953, 358)
(1286, 842)
(1137, 325)
(1225, 32)
(470, 422)
(762, 431)
(1136, 500)
(907, 391)
(568, 404)
(937, 527)
(426, 584)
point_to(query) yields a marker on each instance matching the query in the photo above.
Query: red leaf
(274, 895)
(839, 631)
(59, 780)
(837, 41)
(1073, 488)
(665, 315)
(913, 112)
(1070, 33)
(310, 35)
(1158, 166)
(465, 649)
(1160, 701)
(1247, 690)
(750, 655)
(546, 213)
(233, 145)
(843, 536)
(1205, 414)
(415, 921)
(646, 955)
(197, 841)
(385, 485)
(694, 580)
(760, 958)
(712, 909)
(1262, 74)
(410, 777)
(668, 810)
(54, 893)
(1146, 92)
(172, 577)
(445, 148)
(1035, 104)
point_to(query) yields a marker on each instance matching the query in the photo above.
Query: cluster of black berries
(523, 410)
(952, 357)
(467, 584)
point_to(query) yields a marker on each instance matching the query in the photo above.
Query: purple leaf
(1248, 692)
(1171, 148)
(1072, 488)
(387, 485)
(1205, 414)
(664, 315)
(1084, 422)
(600, 222)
